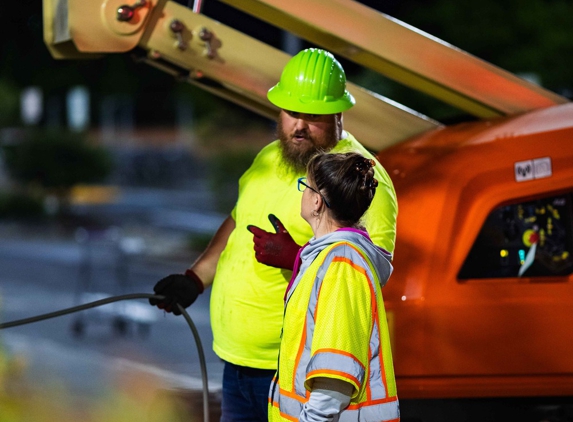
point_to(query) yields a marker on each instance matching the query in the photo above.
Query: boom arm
(211, 55)
(404, 54)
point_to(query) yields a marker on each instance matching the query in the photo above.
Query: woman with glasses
(335, 361)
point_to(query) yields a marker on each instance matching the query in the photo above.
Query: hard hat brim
(287, 102)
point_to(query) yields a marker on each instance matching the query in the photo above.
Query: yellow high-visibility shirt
(247, 297)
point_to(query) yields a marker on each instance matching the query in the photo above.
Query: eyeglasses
(301, 185)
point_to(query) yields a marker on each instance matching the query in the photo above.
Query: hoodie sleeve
(327, 399)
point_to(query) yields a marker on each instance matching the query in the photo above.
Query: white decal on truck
(533, 169)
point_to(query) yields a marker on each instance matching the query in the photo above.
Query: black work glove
(275, 249)
(180, 289)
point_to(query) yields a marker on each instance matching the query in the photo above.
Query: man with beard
(248, 288)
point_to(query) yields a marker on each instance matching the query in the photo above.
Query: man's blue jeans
(245, 394)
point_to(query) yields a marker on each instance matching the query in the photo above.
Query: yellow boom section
(208, 54)
(405, 54)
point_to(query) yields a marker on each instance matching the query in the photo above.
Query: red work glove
(275, 249)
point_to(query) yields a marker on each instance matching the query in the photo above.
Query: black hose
(129, 297)
(201, 359)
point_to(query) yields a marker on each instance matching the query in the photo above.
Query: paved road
(44, 273)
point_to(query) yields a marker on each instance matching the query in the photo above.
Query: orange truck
(480, 300)
(479, 303)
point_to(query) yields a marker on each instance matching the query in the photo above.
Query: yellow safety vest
(335, 327)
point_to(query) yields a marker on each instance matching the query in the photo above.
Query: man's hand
(275, 249)
(180, 289)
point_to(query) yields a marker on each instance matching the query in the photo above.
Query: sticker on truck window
(533, 169)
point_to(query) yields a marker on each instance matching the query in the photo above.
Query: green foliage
(57, 160)
(9, 103)
(16, 205)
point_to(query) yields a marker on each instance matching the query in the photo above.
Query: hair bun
(371, 184)
(364, 165)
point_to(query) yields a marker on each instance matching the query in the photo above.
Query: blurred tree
(53, 162)
(9, 103)
(21, 206)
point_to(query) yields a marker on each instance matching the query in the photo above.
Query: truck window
(524, 239)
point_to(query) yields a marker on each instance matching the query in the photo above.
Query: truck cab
(483, 263)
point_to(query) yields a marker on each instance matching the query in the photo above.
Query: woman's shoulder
(345, 249)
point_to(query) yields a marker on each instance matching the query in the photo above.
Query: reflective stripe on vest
(375, 411)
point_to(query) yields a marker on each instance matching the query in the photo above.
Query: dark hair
(346, 181)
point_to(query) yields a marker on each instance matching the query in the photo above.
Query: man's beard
(297, 157)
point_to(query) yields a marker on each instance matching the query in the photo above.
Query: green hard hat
(312, 82)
